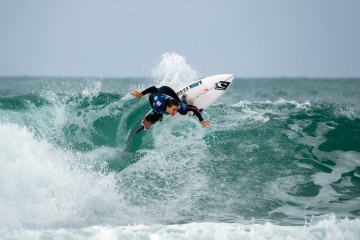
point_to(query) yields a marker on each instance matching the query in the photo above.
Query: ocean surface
(281, 160)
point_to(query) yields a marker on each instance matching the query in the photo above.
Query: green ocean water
(279, 150)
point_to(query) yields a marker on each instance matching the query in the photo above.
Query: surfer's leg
(151, 118)
(154, 117)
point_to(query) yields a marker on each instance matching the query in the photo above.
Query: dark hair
(170, 102)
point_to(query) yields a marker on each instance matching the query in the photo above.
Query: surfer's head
(172, 106)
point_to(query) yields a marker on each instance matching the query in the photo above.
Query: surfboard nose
(231, 76)
(228, 77)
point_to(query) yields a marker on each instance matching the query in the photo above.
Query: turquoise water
(280, 154)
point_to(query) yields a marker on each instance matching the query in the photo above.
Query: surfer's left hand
(136, 94)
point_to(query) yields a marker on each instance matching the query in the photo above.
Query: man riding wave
(164, 100)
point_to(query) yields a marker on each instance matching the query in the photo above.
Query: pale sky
(114, 38)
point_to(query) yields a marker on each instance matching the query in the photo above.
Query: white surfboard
(204, 92)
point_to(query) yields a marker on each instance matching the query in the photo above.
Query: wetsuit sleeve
(183, 107)
(183, 99)
(196, 111)
(152, 89)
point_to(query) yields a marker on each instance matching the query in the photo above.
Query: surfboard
(204, 92)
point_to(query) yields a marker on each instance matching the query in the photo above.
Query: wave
(283, 156)
(68, 160)
(42, 185)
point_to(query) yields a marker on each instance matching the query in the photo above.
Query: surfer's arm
(183, 98)
(152, 89)
(137, 94)
(196, 111)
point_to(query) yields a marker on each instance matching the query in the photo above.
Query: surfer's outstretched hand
(205, 123)
(136, 94)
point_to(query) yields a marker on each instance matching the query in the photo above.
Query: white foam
(305, 105)
(43, 186)
(173, 71)
(351, 113)
(327, 228)
(92, 89)
(166, 179)
(259, 110)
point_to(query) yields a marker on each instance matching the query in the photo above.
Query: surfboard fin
(144, 125)
(138, 131)
(131, 140)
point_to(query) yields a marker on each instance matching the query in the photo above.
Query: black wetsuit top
(164, 90)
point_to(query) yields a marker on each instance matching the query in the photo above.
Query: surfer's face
(172, 110)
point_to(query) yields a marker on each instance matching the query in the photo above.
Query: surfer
(163, 100)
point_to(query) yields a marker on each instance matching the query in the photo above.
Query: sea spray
(173, 71)
(44, 186)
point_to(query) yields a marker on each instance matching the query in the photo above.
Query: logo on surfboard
(222, 85)
(185, 89)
